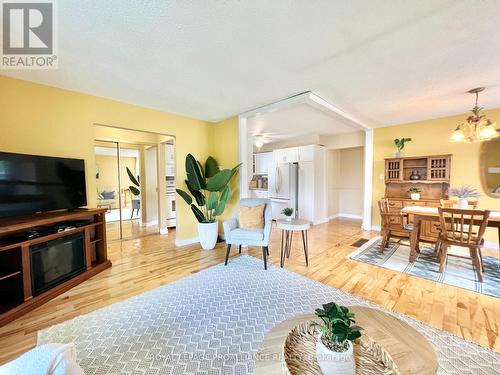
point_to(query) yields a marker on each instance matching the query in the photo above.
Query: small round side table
(287, 229)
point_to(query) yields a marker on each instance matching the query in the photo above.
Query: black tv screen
(30, 184)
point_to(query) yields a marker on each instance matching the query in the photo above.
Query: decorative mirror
(490, 167)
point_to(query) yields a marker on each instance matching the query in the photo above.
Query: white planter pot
(207, 233)
(333, 363)
(288, 218)
(399, 154)
(463, 203)
(415, 196)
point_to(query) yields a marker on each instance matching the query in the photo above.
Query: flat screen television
(30, 183)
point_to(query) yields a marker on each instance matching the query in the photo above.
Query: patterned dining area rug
(459, 271)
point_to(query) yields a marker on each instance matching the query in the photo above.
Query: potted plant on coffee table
(414, 193)
(334, 348)
(208, 195)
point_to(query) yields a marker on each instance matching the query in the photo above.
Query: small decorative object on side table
(414, 193)
(288, 212)
(287, 229)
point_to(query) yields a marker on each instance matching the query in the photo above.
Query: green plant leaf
(187, 198)
(219, 181)
(193, 173)
(212, 201)
(198, 214)
(132, 177)
(211, 167)
(235, 170)
(224, 198)
(134, 190)
(197, 194)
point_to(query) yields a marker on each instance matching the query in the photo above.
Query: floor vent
(359, 242)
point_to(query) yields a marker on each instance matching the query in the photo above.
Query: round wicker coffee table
(409, 350)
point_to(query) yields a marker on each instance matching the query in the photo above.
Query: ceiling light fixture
(476, 127)
(259, 141)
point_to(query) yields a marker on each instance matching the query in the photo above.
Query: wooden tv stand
(16, 297)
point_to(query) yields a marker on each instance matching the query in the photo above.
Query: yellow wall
(43, 120)
(108, 174)
(225, 149)
(432, 137)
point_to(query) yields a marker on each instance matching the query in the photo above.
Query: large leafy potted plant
(334, 349)
(136, 202)
(208, 195)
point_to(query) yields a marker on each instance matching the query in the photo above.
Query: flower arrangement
(287, 211)
(464, 192)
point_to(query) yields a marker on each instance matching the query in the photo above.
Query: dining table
(424, 213)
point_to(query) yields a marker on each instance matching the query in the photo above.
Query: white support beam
(368, 181)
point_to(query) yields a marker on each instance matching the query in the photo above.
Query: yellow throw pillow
(252, 217)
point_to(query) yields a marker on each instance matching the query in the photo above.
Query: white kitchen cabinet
(292, 154)
(306, 153)
(263, 161)
(286, 155)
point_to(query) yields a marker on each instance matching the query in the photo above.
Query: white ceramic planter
(333, 363)
(288, 218)
(463, 203)
(415, 196)
(207, 233)
(399, 154)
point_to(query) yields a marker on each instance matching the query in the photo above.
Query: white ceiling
(383, 61)
(298, 120)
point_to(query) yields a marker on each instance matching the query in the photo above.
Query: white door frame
(319, 103)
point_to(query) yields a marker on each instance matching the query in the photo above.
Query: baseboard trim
(322, 221)
(149, 223)
(187, 241)
(346, 216)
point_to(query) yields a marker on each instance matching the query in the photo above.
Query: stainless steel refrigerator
(283, 188)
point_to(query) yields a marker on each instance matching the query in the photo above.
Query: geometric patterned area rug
(213, 322)
(458, 271)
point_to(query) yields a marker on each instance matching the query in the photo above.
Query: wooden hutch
(16, 282)
(433, 181)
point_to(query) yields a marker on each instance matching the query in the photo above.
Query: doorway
(135, 174)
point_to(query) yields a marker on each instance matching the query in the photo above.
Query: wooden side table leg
(289, 243)
(414, 239)
(282, 249)
(304, 242)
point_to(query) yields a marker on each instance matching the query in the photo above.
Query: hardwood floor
(148, 262)
(130, 229)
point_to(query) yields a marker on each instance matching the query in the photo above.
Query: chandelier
(476, 127)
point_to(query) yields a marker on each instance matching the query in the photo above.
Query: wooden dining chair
(392, 224)
(464, 228)
(451, 203)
